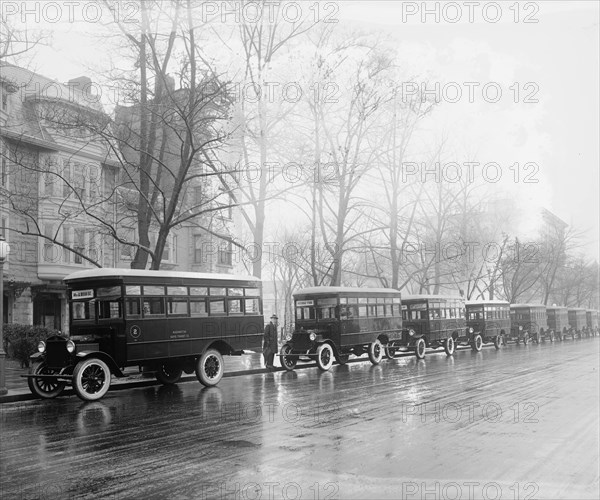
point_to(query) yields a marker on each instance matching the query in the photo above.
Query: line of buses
(171, 323)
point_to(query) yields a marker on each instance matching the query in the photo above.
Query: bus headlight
(41, 346)
(411, 332)
(70, 346)
(471, 330)
(520, 327)
(312, 336)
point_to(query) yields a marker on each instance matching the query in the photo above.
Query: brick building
(60, 199)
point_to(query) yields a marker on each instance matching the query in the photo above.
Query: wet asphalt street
(522, 422)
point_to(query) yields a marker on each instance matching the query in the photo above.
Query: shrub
(20, 341)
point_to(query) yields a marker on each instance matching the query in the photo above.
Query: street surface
(522, 422)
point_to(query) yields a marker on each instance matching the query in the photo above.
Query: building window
(225, 256)
(197, 249)
(127, 251)
(66, 174)
(3, 165)
(67, 242)
(79, 246)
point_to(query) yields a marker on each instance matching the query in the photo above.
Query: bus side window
(109, 309)
(198, 307)
(154, 306)
(252, 306)
(217, 306)
(177, 306)
(133, 307)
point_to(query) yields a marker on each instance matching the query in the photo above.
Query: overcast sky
(554, 62)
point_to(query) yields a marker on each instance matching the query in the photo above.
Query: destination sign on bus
(304, 303)
(82, 294)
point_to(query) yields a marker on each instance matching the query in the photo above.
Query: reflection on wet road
(521, 422)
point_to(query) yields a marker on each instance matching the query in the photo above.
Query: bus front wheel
(209, 368)
(449, 346)
(91, 379)
(288, 362)
(477, 343)
(420, 347)
(46, 388)
(324, 357)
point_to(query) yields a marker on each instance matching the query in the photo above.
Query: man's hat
(274, 316)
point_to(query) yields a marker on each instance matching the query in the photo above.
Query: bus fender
(114, 369)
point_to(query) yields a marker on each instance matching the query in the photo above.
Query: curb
(17, 395)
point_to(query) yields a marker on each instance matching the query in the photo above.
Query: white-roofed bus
(337, 322)
(432, 321)
(167, 322)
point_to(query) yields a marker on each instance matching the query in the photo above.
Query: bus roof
(486, 302)
(514, 306)
(109, 272)
(431, 297)
(322, 290)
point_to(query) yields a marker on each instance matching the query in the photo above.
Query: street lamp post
(4, 249)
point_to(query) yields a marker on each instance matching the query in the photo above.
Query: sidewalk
(234, 367)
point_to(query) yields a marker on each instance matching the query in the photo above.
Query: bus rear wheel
(288, 362)
(91, 379)
(168, 373)
(342, 359)
(324, 357)
(375, 352)
(209, 368)
(45, 388)
(497, 341)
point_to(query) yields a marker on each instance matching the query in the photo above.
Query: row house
(61, 199)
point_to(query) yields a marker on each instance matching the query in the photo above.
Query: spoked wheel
(209, 368)
(420, 347)
(497, 341)
(390, 351)
(342, 359)
(449, 346)
(477, 343)
(91, 379)
(375, 352)
(288, 362)
(168, 373)
(324, 357)
(46, 388)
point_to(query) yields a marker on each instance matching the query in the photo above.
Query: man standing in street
(270, 342)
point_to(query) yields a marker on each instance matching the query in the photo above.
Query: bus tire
(498, 341)
(390, 352)
(168, 373)
(420, 347)
(288, 362)
(44, 388)
(449, 346)
(477, 343)
(91, 379)
(209, 368)
(324, 357)
(375, 352)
